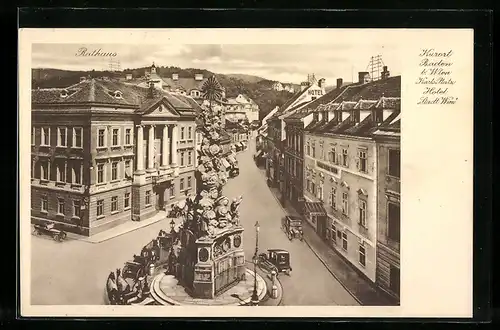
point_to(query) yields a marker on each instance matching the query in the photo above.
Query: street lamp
(172, 226)
(255, 297)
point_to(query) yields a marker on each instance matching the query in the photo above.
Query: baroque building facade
(342, 171)
(105, 152)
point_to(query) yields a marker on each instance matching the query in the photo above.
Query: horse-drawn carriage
(50, 230)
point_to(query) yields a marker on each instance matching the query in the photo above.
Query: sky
(286, 63)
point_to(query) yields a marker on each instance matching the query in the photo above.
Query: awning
(243, 143)
(315, 208)
(225, 163)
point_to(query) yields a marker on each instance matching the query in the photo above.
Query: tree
(212, 90)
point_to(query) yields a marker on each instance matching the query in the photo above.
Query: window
(114, 204)
(182, 132)
(339, 234)
(45, 136)
(61, 173)
(333, 198)
(345, 203)
(394, 163)
(45, 204)
(322, 152)
(362, 161)
(115, 136)
(345, 160)
(362, 255)
(148, 197)
(45, 170)
(314, 150)
(190, 158)
(333, 156)
(334, 233)
(128, 140)
(77, 137)
(362, 213)
(62, 137)
(76, 209)
(344, 241)
(100, 173)
(77, 177)
(190, 133)
(32, 136)
(127, 166)
(394, 279)
(114, 171)
(172, 191)
(101, 138)
(182, 158)
(308, 149)
(100, 208)
(126, 200)
(189, 182)
(313, 187)
(393, 221)
(181, 184)
(60, 206)
(320, 192)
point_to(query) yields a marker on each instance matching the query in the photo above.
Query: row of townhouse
(338, 162)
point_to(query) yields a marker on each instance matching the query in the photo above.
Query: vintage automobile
(50, 230)
(292, 226)
(275, 259)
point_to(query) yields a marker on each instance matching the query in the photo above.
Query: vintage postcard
(206, 172)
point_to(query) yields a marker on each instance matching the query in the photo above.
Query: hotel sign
(327, 167)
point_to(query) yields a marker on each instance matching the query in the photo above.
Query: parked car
(277, 260)
(292, 226)
(50, 230)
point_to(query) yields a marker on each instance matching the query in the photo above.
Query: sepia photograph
(223, 174)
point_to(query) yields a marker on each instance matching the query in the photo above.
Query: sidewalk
(357, 285)
(120, 229)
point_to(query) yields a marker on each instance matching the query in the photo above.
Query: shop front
(316, 215)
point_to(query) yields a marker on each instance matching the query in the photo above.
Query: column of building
(151, 156)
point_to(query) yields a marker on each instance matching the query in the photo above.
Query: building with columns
(105, 152)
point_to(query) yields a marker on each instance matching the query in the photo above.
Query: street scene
(88, 264)
(238, 183)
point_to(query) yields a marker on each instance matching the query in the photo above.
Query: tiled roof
(390, 87)
(187, 84)
(102, 92)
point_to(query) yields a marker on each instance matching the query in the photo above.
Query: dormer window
(64, 93)
(118, 95)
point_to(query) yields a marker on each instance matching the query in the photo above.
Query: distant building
(128, 76)
(289, 88)
(277, 86)
(242, 108)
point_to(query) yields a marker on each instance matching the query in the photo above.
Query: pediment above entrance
(160, 109)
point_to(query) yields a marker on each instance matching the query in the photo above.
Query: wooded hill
(257, 88)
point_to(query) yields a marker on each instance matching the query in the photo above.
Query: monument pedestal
(220, 263)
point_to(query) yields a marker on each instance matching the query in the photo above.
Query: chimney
(198, 76)
(339, 82)
(175, 76)
(385, 73)
(82, 79)
(363, 77)
(321, 83)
